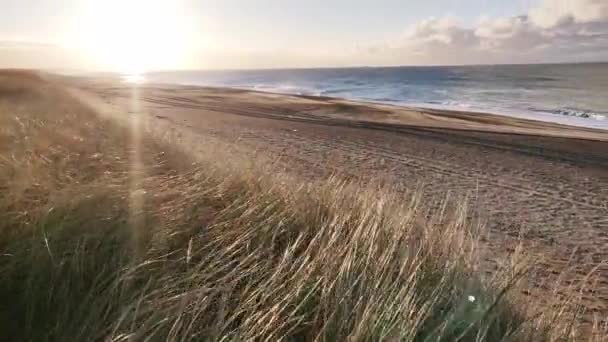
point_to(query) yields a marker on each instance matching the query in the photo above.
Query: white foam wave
(580, 113)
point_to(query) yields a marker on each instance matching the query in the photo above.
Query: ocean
(573, 94)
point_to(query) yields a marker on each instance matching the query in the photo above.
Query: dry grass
(107, 238)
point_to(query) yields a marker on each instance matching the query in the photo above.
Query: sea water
(573, 94)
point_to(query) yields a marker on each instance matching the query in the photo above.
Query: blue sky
(284, 33)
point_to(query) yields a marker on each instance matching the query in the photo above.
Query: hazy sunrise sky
(139, 35)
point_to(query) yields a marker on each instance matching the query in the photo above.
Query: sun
(134, 36)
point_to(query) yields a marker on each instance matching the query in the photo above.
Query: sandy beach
(540, 184)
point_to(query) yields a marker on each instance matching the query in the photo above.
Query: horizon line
(389, 66)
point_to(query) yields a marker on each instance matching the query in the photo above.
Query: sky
(144, 35)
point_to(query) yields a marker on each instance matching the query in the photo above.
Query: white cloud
(509, 34)
(558, 30)
(441, 31)
(555, 12)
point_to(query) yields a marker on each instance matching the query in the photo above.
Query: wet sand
(542, 184)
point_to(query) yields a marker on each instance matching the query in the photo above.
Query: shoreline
(570, 121)
(570, 96)
(467, 114)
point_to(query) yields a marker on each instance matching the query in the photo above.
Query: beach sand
(540, 184)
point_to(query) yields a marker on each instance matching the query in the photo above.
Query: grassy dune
(108, 234)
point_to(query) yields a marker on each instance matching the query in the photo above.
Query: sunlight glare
(135, 78)
(134, 36)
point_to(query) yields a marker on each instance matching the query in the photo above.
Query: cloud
(556, 12)
(556, 31)
(440, 31)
